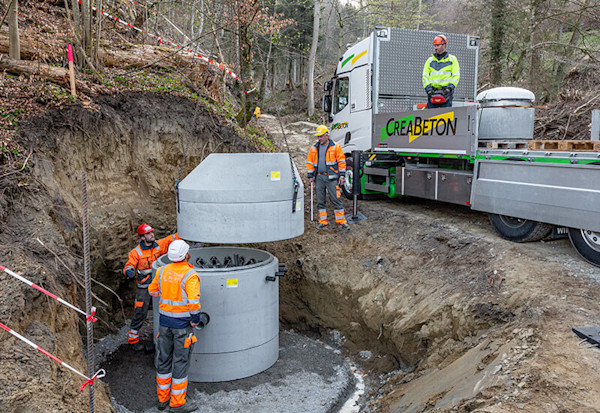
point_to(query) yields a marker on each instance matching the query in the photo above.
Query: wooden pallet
(503, 144)
(591, 146)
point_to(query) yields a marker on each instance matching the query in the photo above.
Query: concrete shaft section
(241, 198)
(504, 106)
(242, 337)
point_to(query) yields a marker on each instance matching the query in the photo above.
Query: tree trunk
(312, 58)
(536, 71)
(13, 31)
(498, 24)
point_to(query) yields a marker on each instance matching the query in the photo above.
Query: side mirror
(327, 86)
(327, 103)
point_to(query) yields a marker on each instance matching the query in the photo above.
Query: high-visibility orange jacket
(140, 259)
(334, 159)
(178, 287)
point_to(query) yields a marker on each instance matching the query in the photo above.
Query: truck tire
(347, 187)
(587, 244)
(519, 230)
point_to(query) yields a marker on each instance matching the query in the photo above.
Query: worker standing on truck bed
(326, 165)
(178, 287)
(139, 265)
(441, 74)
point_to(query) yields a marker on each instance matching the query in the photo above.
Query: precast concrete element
(505, 113)
(242, 337)
(240, 198)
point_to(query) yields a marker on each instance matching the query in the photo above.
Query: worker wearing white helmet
(177, 287)
(441, 74)
(326, 166)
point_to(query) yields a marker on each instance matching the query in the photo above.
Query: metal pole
(355, 182)
(311, 202)
(88, 289)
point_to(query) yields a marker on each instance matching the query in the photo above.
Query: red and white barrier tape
(49, 294)
(89, 380)
(160, 40)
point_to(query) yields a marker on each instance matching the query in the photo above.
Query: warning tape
(49, 294)
(89, 380)
(161, 40)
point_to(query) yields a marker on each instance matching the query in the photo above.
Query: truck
(479, 153)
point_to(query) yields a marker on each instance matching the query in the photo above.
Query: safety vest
(335, 160)
(441, 72)
(178, 286)
(140, 259)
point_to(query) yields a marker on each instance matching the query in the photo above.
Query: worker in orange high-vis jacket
(178, 287)
(139, 265)
(326, 166)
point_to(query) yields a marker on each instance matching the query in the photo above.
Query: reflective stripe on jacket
(441, 72)
(178, 287)
(140, 259)
(334, 159)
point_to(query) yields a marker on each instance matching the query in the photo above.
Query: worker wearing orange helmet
(139, 265)
(326, 166)
(441, 74)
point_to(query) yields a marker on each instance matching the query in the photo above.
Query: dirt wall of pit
(131, 148)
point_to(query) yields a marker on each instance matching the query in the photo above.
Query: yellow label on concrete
(232, 283)
(298, 205)
(275, 175)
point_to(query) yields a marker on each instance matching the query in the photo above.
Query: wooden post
(71, 70)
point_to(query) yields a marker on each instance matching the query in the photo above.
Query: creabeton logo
(415, 126)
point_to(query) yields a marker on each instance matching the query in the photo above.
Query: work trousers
(173, 362)
(142, 303)
(324, 184)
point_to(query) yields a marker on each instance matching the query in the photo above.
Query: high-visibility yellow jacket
(140, 259)
(178, 287)
(335, 160)
(441, 72)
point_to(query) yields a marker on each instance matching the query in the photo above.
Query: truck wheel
(587, 244)
(347, 187)
(519, 230)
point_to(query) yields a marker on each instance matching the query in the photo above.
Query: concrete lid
(506, 93)
(241, 178)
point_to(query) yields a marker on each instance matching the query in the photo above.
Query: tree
(13, 30)
(312, 58)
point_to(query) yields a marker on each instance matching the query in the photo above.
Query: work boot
(345, 225)
(321, 226)
(163, 405)
(137, 346)
(188, 407)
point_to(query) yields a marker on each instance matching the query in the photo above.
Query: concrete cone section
(241, 198)
(242, 337)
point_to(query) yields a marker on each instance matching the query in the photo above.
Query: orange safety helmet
(439, 39)
(144, 229)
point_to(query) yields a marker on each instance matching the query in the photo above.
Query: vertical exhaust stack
(236, 199)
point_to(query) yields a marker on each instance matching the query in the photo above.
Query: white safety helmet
(178, 250)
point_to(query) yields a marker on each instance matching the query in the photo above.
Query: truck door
(340, 109)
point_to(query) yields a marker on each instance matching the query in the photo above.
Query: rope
(89, 380)
(49, 294)
(88, 290)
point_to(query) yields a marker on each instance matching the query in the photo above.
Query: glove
(429, 91)
(446, 92)
(130, 273)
